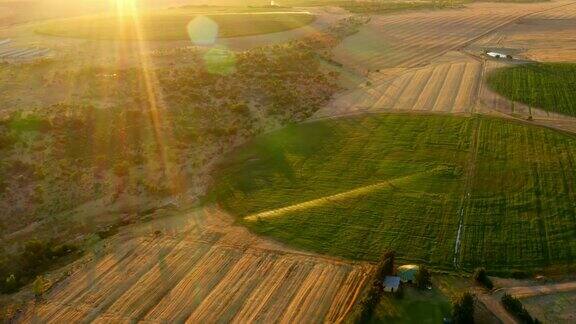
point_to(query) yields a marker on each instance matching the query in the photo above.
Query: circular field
(356, 187)
(550, 86)
(171, 25)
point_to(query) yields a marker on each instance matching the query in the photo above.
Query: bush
(515, 307)
(481, 278)
(39, 287)
(35, 258)
(9, 285)
(463, 309)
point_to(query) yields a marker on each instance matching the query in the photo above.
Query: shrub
(463, 309)
(9, 285)
(515, 307)
(21, 123)
(35, 255)
(482, 278)
(35, 258)
(39, 287)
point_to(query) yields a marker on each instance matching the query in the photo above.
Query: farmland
(174, 24)
(202, 269)
(446, 86)
(414, 307)
(414, 38)
(410, 179)
(552, 308)
(551, 87)
(545, 36)
(235, 161)
(429, 61)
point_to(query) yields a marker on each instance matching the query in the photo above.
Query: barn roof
(408, 272)
(392, 282)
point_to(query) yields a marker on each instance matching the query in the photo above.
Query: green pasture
(550, 86)
(415, 306)
(356, 187)
(174, 24)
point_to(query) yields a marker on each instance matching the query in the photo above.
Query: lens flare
(203, 30)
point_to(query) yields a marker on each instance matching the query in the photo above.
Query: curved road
(492, 300)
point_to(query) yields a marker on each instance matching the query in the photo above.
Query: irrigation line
(470, 172)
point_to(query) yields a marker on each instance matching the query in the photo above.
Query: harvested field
(10, 52)
(448, 87)
(209, 271)
(545, 37)
(552, 308)
(415, 38)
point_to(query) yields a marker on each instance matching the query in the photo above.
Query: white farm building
(498, 55)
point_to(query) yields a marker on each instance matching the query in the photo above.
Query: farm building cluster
(405, 274)
(9, 52)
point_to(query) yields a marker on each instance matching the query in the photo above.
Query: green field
(550, 86)
(415, 306)
(174, 24)
(358, 186)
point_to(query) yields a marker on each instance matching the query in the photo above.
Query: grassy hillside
(174, 24)
(550, 86)
(358, 186)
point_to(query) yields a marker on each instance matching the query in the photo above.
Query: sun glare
(124, 7)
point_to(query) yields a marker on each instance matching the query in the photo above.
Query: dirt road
(492, 300)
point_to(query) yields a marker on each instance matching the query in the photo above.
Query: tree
(515, 307)
(386, 264)
(369, 302)
(481, 277)
(35, 256)
(423, 277)
(463, 309)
